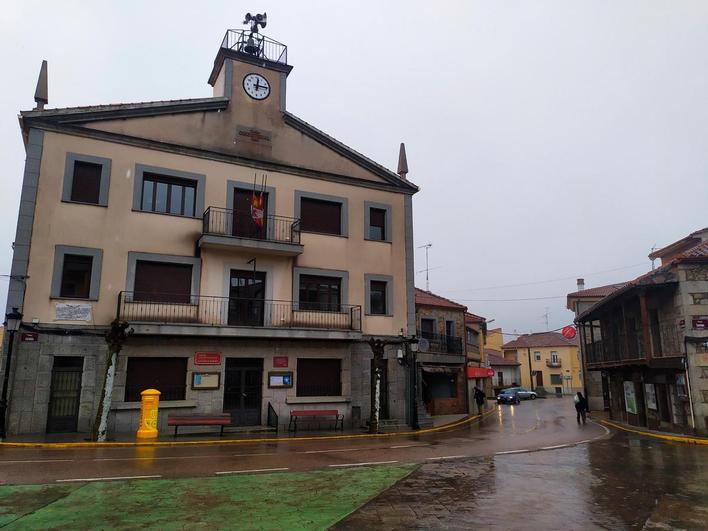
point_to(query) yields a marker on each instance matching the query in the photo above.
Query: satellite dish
(423, 345)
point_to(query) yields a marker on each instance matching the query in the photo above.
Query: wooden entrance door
(539, 379)
(243, 386)
(65, 394)
(243, 224)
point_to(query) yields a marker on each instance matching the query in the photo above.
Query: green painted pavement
(303, 500)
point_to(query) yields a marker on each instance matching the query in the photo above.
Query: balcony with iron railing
(234, 229)
(181, 314)
(553, 363)
(255, 45)
(442, 344)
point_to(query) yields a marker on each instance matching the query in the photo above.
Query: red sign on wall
(30, 336)
(699, 323)
(207, 358)
(280, 361)
(479, 372)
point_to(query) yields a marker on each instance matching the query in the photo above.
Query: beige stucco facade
(568, 370)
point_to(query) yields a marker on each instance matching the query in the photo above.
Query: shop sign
(280, 361)
(207, 358)
(479, 372)
(568, 332)
(30, 336)
(630, 399)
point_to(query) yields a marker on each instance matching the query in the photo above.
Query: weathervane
(255, 21)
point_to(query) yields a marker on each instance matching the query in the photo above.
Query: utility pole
(546, 316)
(427, 247)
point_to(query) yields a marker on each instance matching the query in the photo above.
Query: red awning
(479, 372)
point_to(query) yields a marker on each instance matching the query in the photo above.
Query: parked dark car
(508, 396)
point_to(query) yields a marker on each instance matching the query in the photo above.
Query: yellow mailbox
(150, 400)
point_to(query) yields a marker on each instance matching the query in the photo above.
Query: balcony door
(247, 298)
(243, 225)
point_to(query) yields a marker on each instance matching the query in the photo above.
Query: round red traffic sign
(568, 332)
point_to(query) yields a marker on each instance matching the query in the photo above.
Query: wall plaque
(280, 361)
(253, 135)
(72, 312)
(207, 358)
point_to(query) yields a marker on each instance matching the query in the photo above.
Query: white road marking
(337, 450)
(151, 458)
(513, 452)
(251, 470)
(585, 441)
(105, 479)
(36, 461)
(557, 446)
(446, 457)
(409, 446)
(364, 464)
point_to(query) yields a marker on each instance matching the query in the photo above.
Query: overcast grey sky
(550, 139)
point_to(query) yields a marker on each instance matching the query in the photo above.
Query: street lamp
(12, 325)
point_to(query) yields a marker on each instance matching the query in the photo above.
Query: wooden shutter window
(319, 377)
(320, 216)
(86, 182)
(76, 276)
(162, 282)
(167, 375)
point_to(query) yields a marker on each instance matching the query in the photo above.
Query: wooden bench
(315, 413)
(220, 419)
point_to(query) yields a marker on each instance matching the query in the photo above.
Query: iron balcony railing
(442, 344)
(239, 224)
(162, 308)
(553, 363)
(255, 44)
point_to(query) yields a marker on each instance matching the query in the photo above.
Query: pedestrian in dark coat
(479, 397)
(581, 406)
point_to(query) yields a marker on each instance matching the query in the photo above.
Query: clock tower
(251, 70)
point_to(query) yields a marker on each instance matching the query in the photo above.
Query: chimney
(581, 284)
(402, 162)
(41, 94)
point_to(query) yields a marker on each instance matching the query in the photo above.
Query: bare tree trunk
(115, 338)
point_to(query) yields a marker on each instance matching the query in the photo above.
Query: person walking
(479, 397)
(581, 406)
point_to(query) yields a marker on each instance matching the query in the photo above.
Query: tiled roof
(472, 318)
(694, 237)
(539, 339)
(426, 298)
(699, 251)
(599, 291)
(498, 359)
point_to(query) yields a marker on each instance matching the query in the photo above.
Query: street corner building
(548, 362)
(251, 254)
(645, 342)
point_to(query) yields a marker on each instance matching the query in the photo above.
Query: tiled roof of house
(426, 298)
(540, 339)
(599, 291)
(694, 237)
(472, 318)
(699, 251)
(496, 358)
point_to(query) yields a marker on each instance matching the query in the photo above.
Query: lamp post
(12, 324)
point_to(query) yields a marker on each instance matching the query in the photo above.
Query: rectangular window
(320, 293)
(317, 215)
(556, 379)
(554, 356)
(86, 182)
(378, 303)
(167, 375)
(427, 328)
(537, 356)
(377, 224)
(162, 282)
(76, 276)
(319, 377)
(168, 195)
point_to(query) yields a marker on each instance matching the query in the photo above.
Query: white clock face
(256, 86)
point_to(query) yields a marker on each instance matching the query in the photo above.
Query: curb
(225, 442)
(674, 438)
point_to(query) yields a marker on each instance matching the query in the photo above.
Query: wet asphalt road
(533, 425)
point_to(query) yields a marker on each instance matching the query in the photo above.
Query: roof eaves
(344, 150)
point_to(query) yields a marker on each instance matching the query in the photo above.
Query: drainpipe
(688, 384)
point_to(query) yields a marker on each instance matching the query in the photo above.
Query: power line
(545, 281)
(512, 300)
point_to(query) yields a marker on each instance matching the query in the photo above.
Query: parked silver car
(523, 393)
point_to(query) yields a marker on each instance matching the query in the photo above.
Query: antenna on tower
(427, 247)
(546, 316)
(654, 248)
